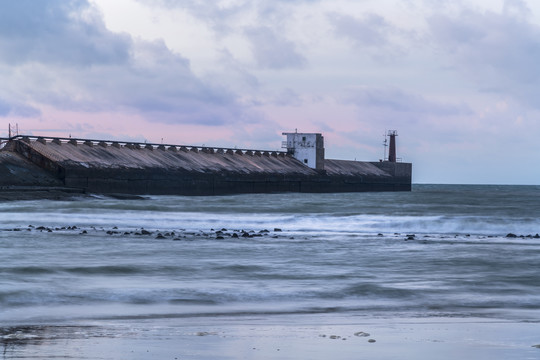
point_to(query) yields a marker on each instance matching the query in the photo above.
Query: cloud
(399, 101)
(59, 32)
(372, 34)
(8, 108)
(371, 31)
(499, 52)
(272, 51)
(59, 53)
(288, 97)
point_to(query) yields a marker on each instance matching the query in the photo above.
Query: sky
(458, 80)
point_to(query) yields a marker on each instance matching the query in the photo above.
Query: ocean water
(438, 251)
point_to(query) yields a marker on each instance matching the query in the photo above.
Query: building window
(305, 161)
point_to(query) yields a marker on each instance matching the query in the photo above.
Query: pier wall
(132, 168)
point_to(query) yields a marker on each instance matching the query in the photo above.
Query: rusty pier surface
(114, 167)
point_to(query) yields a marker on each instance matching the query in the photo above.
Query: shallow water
(436, 252)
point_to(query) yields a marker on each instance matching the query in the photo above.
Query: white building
(307, 148)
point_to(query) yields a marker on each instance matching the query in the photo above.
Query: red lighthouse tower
(392, 150)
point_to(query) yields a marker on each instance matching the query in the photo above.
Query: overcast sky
(459, 80)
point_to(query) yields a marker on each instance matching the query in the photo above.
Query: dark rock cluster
(157, 234)
(511, 235)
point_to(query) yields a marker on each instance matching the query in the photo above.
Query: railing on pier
(139, 145)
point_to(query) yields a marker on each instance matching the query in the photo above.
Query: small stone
(361, 334)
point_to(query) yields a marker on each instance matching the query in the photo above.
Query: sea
(439, 251)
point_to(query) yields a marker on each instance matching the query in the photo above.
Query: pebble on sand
(361, 334)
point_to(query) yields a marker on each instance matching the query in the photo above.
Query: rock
(510, 235)
(84, 232)
(536, 236)
(536, 346)
(361, 334)
(371, 341)
(277, 229)
(219, 237)
(145, 232)
(234, 235)
(160, 236)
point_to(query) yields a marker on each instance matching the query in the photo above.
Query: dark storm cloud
(57, 31)
(59, 53)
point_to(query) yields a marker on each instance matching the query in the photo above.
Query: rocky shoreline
(222, 233)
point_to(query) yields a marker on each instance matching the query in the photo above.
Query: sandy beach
(281, 337)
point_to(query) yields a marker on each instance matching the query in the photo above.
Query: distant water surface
(440, 250)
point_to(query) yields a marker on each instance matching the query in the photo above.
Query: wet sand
(281, 337)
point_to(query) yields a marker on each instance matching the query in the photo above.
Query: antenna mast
(385, 145)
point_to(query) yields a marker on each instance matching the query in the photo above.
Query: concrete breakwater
(97, 166)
